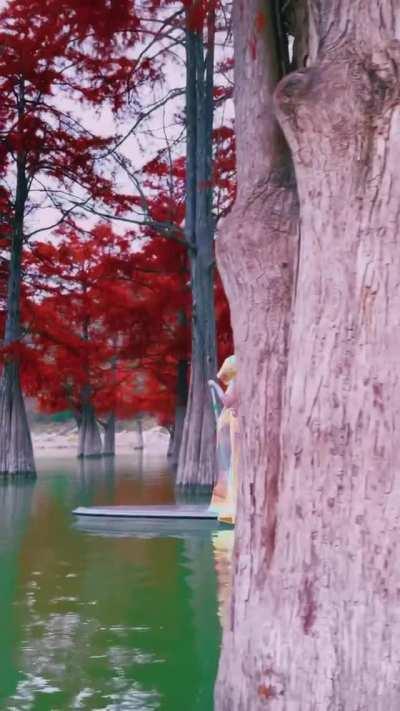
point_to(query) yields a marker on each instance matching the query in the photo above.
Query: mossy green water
(102, 620)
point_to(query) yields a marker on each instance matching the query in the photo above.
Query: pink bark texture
(310, 258)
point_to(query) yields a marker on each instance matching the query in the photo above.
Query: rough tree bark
(196, 466)
(315, 617)
(16, 452)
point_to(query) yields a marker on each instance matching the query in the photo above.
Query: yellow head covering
(228, 370)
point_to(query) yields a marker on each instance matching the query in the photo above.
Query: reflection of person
(223, 550)
(223, 499)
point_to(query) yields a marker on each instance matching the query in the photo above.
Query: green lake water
(105, 618)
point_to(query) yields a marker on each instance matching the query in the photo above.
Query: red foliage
(97, 312)
(56, 56)
(101, 314)
(198, 12)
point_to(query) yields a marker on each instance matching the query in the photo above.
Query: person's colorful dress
(224, 494)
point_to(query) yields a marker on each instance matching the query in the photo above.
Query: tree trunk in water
(196, 465)
(16, 452)
(89, 443)
(315, 620)
(109, 436)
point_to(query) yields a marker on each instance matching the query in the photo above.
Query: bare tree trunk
(89, 442)
(16, 452)
(196, 465)
(109, 436)
(315, 620)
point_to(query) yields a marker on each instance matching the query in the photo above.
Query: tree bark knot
(313, 104)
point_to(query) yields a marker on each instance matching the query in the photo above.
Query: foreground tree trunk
(196, 466)
(315, 621)
(89, 442)
(16, 452)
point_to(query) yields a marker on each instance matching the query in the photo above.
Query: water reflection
(107, 618)
(146, 528)
(223, 552)
(15, 509)
(15, 505)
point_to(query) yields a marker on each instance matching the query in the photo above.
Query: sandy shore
(65, 443)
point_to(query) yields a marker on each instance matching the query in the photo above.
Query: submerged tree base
(89, 444)
(196, 465)
(16, 451)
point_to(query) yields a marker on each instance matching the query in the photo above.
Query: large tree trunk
(16, 452)
(315, 620)
(89, 442)
(196, 464)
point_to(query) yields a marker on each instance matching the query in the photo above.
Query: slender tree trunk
(109, 436)
(196, 464)
(315, 620)
(89, 442)
(16, 452)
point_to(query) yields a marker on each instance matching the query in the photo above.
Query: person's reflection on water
(223, 542)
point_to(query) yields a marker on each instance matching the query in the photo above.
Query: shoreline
(65, 444)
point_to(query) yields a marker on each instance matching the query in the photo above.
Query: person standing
(223, 500)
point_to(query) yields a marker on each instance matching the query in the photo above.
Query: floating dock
(171, 511)
(172, 521)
